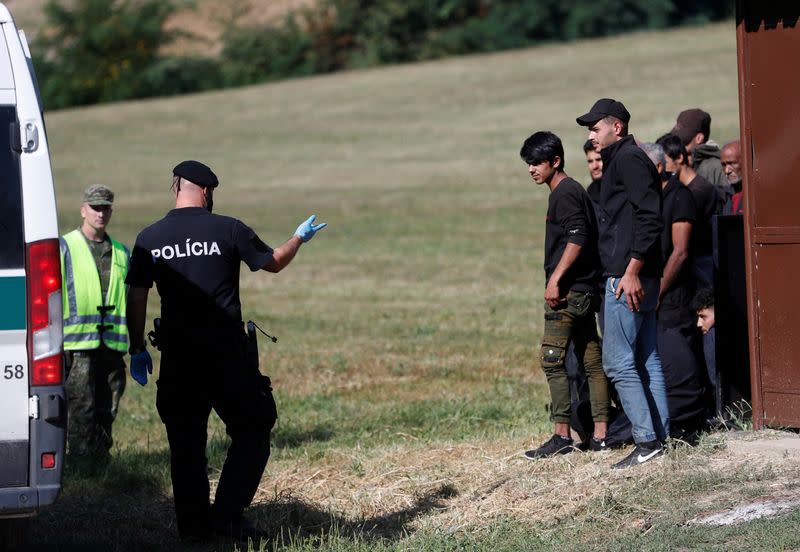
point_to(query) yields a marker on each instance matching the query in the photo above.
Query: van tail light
(45, 324)
(48, 460)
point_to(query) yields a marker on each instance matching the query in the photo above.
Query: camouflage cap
(98, 195)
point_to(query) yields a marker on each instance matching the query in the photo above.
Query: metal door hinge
(33, 407)
(30, 136)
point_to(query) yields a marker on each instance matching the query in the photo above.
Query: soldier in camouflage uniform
(94, 267)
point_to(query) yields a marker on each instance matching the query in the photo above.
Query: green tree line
(108, 50)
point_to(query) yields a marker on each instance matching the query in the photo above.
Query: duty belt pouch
(156, 335)
(251, 346)
(264, 384)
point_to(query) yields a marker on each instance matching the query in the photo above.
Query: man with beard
(629, 224)
(731, 159)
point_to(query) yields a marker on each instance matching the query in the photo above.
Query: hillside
(205, 19)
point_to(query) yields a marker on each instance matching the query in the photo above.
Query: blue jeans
(631, 361)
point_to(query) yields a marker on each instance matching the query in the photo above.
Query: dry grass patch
(472, 486)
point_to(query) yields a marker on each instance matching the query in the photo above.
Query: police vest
(88, 319)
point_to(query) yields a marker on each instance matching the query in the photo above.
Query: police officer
(194, 256)
(95, 330)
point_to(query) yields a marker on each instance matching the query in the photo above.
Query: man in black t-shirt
(676, 336)
(678, 212)
(707, 201)
(571, 265)
(193, 257)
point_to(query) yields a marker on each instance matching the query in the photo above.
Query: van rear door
(32, 397)
(14, 376)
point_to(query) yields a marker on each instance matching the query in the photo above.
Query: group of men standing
(636, 246)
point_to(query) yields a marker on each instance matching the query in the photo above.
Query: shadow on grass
(117, 504)
(125, 505)
(293, 521)
(288, 436)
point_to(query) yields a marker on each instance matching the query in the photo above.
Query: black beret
(197, 173)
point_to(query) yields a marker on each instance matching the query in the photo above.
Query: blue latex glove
(307, 230)
(141, 365)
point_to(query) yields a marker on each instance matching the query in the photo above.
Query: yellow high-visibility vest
(90, 319)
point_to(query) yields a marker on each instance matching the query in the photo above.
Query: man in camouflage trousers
(572, 272)
(94, 267)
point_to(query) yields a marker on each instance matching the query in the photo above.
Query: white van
(32, 399)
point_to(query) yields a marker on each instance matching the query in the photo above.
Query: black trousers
(191, 383)
(683, 379)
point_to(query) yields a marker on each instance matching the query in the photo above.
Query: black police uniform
(194, 256)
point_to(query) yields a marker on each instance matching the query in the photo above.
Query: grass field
(405, 372)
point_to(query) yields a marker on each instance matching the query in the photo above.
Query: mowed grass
(405, 371)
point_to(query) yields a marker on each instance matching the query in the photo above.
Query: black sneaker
(642, 452)
(556, 445)
(598, 445)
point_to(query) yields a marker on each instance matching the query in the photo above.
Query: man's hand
(634, 293)
(552, 295)
(141, 365)
(307, 230)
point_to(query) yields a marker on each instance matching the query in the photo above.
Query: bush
(182, 75)
(255, 54)
(97, 50)
(339, 34)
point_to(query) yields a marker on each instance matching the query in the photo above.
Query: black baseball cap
(605, 107)
(197, 173)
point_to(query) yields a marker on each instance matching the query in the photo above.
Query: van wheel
(14, 533)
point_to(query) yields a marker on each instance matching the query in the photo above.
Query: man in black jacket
(629, 225)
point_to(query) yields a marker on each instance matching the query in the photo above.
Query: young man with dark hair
(629, 224)
(571, 268)
(594, 162)
(703, 305)
(706, 200)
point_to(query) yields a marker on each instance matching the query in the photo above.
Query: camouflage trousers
(95, 383)
(575, 322)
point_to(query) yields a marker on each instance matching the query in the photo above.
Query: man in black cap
(629, 224)
(194, 257)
